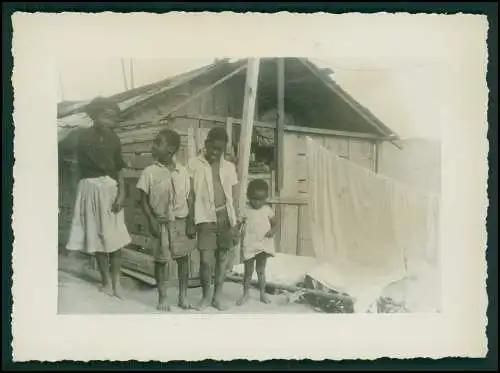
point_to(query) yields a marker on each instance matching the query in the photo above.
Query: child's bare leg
(247, 277)
(261, 260)
(221, 258)
(161, 284)
(207, 258)
(103, 264)
(116, 264)
(183, 273)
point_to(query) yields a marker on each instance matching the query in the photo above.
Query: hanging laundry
(367, 230)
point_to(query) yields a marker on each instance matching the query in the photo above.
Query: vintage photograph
(247, 186)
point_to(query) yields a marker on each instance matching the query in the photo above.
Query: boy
(213, 213)
(165, 188)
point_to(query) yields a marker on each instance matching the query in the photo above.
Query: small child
(258, 230)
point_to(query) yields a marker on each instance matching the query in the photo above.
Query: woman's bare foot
(218, 305)
(264, 298)
(118, 292)
(243, 300)
(163, 305)
(202, 305)
(106, 289)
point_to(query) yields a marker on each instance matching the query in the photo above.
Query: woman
(98, 225)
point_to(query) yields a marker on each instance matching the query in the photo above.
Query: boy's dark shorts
(214, 236)
(183, 246)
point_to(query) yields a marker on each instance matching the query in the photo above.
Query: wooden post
(378, 150)
(131, 73)
(124, 73)
(280, 128)
(229, 130)
(197, 137)
(247, 127)
(279, 143)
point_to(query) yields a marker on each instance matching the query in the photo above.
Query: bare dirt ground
(78, 294)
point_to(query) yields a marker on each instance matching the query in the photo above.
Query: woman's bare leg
(116, 264)
(103, 264)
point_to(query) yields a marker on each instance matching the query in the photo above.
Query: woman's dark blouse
(99, 154)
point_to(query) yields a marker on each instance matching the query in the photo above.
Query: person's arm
(191, 199)
(146, 208)
(273, 222)
(190, 223)
(236, 194)
(120, 166)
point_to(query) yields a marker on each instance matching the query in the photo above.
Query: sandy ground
(78, 294)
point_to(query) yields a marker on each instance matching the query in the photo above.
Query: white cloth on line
(365, 228)
(95, 228)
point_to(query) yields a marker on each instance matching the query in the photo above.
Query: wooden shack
(295, 99)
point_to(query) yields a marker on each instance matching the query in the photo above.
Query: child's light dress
(256, 225)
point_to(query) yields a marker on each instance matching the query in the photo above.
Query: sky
(400, 68)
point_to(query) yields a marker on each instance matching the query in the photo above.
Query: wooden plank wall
(295, 183)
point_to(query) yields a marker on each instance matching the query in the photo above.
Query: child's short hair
(257, 185)
(218, 134)
(170, 137)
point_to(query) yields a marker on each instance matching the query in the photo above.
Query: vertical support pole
(124, 73)
(131, 62)
(247, 127)
(229, 130)
(245, 142)
(280, 127)
(377, 149)
(279, 143)
(197, 137)
(299, 227)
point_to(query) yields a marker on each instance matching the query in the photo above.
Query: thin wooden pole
(247, 127)
(124, 74)
(131, 73)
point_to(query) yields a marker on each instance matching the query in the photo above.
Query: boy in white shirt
(213, 213)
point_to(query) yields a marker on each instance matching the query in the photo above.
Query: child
(165, 190)
(258, 228)
(213, 214)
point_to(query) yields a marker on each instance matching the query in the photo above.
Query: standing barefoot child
(213, 214)
(98, 225)
(259, 226)
(165, 188)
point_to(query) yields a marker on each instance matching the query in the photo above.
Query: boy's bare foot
(243, 300)
(265, 299)
(202, 305)
(106, 289)
(218, 305)
(185, 305)
(163, 305)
